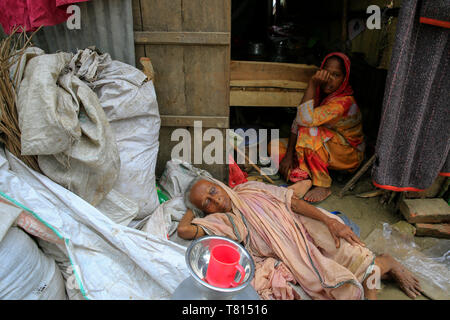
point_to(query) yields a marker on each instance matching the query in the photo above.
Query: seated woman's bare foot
(407, 282)
(300, 188)
(317, 194)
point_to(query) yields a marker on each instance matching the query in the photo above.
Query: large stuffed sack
(62, 122)
(129, 101)
(26, 273)
(48, 119)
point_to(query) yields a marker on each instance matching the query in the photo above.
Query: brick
(433, 230)
(425, 210)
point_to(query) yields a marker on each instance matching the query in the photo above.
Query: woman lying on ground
(327, 131)
(290, 240)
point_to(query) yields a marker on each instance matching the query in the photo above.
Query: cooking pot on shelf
(256, 51)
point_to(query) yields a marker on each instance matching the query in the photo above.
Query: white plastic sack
(177, 175)
(164, 221)
(47, 117)
(62, 122)
(130, 105)
(109, 260)
(18, 67)
(61, 257)
(25, 272)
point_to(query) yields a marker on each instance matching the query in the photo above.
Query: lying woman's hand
(339, 230)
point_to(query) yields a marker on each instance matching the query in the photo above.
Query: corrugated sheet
(105, 24)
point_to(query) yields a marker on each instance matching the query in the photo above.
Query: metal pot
(197, 259)
(281, 52)
(256, 51)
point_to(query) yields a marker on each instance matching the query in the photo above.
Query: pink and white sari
(288, 247)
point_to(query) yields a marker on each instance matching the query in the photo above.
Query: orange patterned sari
(329, 136)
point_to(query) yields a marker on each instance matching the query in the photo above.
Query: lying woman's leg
(389, 268)
(359, 260)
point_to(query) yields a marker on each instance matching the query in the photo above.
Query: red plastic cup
(222, 267)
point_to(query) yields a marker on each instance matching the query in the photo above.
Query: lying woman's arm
(336, 228)
(303, 208)
(188, 231)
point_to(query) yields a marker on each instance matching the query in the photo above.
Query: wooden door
(188, 42)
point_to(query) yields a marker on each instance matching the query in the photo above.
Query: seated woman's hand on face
(320, 78)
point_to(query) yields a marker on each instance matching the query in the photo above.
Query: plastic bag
(431, 265)
(162, 196)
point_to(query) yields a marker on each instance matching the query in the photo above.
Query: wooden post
(254, 165)
(344, 30)
(355, 178)
(147, 67)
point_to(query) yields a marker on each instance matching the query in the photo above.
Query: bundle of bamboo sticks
(11, 51)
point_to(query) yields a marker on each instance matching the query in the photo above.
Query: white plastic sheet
(164, 221)
(110, 261)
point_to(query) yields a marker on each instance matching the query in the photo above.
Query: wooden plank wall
(188, 42)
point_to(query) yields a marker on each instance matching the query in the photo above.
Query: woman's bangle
(196, 232)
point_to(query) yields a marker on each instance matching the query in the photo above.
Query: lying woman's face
(334, 67)
(209, 197)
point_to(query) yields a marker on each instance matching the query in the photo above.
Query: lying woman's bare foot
(407, 282)
(300, 188)
(317, 194)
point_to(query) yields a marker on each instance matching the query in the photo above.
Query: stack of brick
(430, 216)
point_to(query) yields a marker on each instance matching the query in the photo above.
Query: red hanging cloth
(31, 14)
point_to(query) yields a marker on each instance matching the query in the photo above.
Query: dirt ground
(368, 214)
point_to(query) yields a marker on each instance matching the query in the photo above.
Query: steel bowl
(256, 51)
(197, 259)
